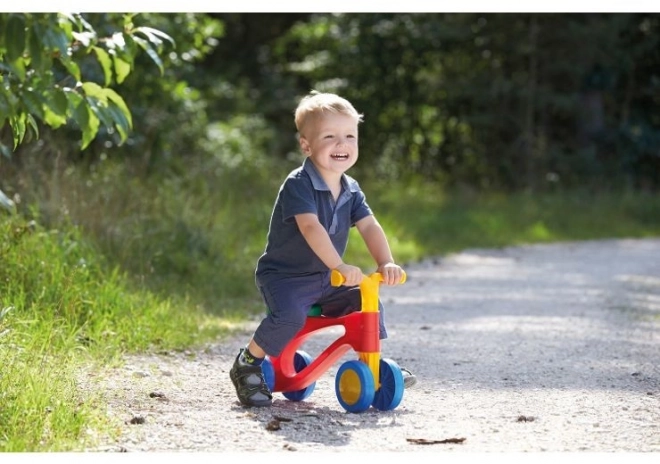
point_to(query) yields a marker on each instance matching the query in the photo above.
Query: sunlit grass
(62, 306)
(436, 222)
(41, 409)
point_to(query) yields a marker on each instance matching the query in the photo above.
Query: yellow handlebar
(337, 279)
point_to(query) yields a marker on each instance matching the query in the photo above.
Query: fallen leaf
(273, 425)
(425, 441)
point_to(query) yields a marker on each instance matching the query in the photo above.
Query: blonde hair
(316, 103)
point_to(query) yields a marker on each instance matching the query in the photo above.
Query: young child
(316, 206)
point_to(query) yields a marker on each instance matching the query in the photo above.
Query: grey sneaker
(251, 387)
(409, 379)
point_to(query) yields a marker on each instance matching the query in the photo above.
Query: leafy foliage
(42, 58)
(484, 101)
(490, 101)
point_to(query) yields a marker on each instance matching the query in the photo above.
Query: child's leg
(255, 350)
(288, 302)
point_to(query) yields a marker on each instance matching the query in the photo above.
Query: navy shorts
(289, 300)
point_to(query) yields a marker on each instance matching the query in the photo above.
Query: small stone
(137, 420)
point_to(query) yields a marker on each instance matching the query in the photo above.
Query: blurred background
(479, 130)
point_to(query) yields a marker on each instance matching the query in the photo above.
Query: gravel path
(543, 348)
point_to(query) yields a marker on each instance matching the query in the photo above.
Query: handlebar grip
(337, 279)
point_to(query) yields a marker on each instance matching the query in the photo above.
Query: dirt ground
(530, 349)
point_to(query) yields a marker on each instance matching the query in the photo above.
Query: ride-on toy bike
(367, 381)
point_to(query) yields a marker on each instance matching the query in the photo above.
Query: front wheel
(390, 393)
(354, 386)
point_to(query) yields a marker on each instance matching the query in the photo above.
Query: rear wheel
(390, 393)
(300, 361)
(269, 373)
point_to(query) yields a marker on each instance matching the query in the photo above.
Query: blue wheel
(390, 393)
(354, 386)
(269, 373)
(300, 361)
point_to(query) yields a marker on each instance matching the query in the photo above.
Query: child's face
(331, 141)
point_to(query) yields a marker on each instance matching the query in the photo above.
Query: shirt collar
(319, 184)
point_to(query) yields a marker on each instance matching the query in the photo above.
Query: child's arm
(374, 237)
(319, 241)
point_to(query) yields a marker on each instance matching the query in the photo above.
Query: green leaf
(105, 62)
(153, 54)
(69, 17)
(130, 49)
(34, 103)
(18, 68)
(122, 69)
(40, 59)
(88, 122)
(92, 89)
(156, 32)
(100, 110)
(102, 105)
(76, 20)
(18, 126)
(122, 124)
(81, 22)
(57, 39)
(58, 102)
(154, 35)
(108, 107)
(15, 37)
(71, 66)
(81, 114)
(56, 108)
(150, 38)
(115, 98)
(65, 23)
(74, 99)
(33, 125)
(53, 119)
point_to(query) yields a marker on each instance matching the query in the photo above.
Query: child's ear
(304, 146)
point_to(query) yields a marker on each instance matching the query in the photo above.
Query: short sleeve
(359, 208)
(297, 197)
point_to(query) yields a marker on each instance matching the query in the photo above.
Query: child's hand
(352, 274)
(392, 273)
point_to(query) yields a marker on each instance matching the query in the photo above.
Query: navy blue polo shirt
(287, 254)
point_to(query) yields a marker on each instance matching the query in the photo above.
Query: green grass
(425, 221)
(61, 307)
(111, 265)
